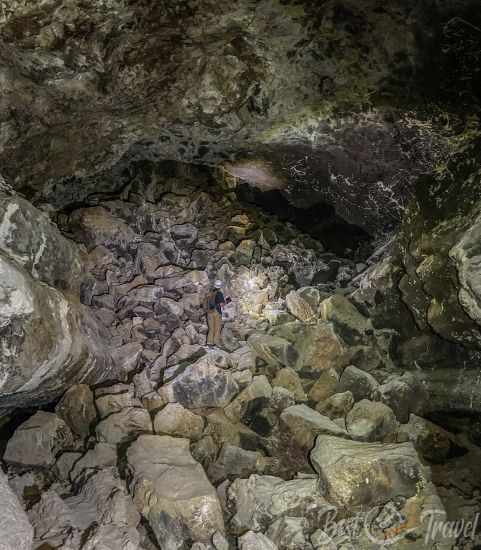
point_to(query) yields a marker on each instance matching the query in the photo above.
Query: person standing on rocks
(214, 303)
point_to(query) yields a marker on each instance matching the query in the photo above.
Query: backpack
(210, 300)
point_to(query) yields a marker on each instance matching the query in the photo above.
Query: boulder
(234, 462)
(361, 384)
(404, 394)
(48, 341)
(320, 348)
(289, 379)
(77, 409)
(371, 421)
(325, 385)
(273, 350)
(109, 403)
(168, 485)
(200, 385)
(303, 424)
(358, 475)
(255, 541)
(15, 528)
(178, 421)
(38, 441)
(259, 389)
(350, 323)
(124, 425)
(65, 464)
(299, 308)
(336, 406)
(260, 500)
(243, 358)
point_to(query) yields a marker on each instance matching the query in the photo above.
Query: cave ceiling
(345, 102)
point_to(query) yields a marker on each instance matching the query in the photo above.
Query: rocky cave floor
(303, 411)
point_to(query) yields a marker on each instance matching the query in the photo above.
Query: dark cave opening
(319, 221)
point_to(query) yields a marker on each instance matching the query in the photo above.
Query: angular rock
(15, 528)
(101, 456)
(234, 462)
(65, 464)
(273, 350)
(112, 537)
(404, 394)
(303, 425)
(115, 402)
(352, 325)
(178, 421)
(325, 386)
(200, 385)
(289, 379)
(336, 406)
(290, 534)
(166, 482)
(260, 389)
(260, 500)
(372, 421)
(363, 475)
(300, 308)
(38, 441)
(77, 409)
(320, 348)
(124, 425)
(361, 384)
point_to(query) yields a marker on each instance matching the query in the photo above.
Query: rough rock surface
(15, 529)
(169, 486)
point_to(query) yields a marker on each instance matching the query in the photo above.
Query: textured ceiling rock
(312, 98)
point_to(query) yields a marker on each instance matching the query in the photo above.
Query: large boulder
(357, 475)
(336, 406)
(38, 441)
(350, 323)
(169, 486)
(202, 384)
(299, 307)
(16, 531)
(49, 340)
(259, 390)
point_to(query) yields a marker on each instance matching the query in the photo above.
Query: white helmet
(218, 284)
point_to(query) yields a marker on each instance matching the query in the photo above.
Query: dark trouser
(214, 321)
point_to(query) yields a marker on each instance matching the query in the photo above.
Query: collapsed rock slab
(38, 441)
(166, 482)
(16, 531)
(363, 475)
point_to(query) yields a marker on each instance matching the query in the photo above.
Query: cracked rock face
(296, 96)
